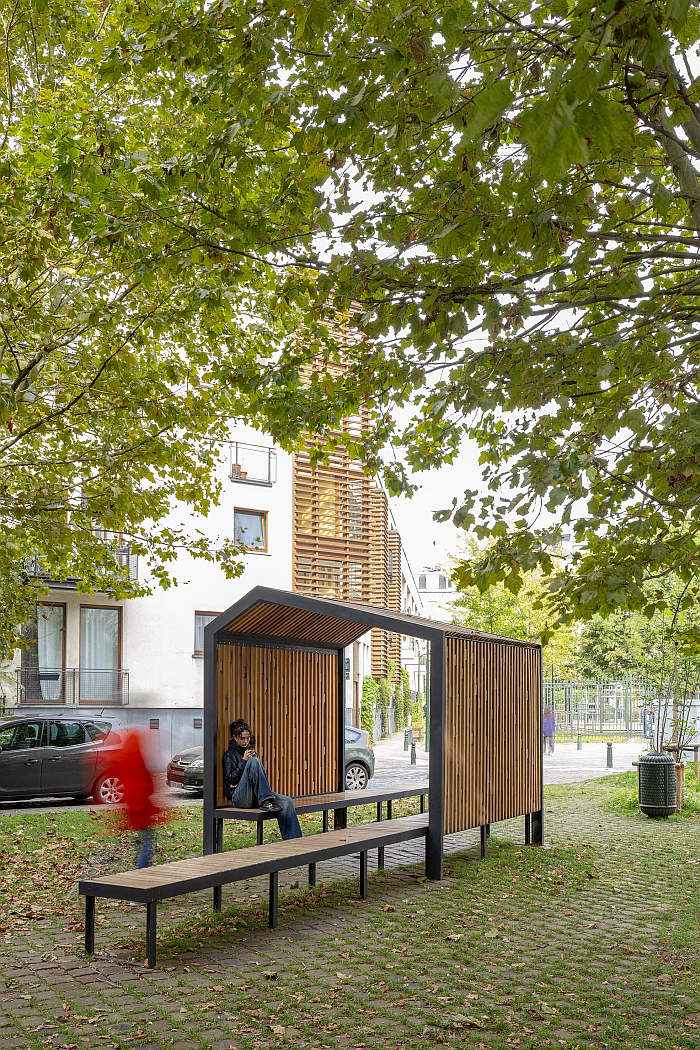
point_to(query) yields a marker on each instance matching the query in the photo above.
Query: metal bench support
(217, 898)
(380, 851)
(312, 874)
(219, 832)
(274, 899)
(527, 829)
(363, 874)
(90, 925)
(484, 838)
(151, 910)
(422, 803)
(260, 832)
(537, 835)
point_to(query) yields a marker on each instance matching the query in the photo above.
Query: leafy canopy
(153, 191)
(526, 257)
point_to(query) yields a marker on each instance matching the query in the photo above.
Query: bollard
(579, 742)
(610, 758)
(413, 752)
(406, 738)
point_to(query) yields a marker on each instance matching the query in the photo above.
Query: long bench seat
(163, 881)
(339, 801)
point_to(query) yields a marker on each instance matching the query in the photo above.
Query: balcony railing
(36, 565)
(72, 685)
(253, 464)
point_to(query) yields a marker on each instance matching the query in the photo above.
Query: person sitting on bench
(246, 783)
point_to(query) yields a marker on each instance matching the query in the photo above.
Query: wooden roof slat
(309, 618)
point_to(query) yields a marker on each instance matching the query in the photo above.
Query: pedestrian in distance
(548, 729)
(246, 784)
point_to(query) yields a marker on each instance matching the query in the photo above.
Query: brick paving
(566, 947)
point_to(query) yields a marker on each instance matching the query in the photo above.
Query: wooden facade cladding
(492, 736)
(289, 697)
(394, 567)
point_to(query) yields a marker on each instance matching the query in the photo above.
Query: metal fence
(600, 707)
(72, 685)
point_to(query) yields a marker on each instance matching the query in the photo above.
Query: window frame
(200, 612)
(80, 635)
(264, 548)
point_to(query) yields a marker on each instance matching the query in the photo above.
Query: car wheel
(356, 777)
(108, 790)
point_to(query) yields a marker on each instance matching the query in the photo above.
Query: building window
(421, 583)
(250, 529)
(100, 653)
(44, 660)
(442, 583)
(201, 619)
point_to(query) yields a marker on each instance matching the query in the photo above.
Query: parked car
(58, 757)
(186, 769)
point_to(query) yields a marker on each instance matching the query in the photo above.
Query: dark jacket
(233, 763)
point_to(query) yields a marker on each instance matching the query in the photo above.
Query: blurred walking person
(130, 764)
(548, 729)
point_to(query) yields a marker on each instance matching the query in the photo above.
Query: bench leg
(388, 809)
(274, 899)
(380, 809)
(312, 874)
(484, 838)
(325, 820)
(217, 898)
(90, 925)
(537, 832)
(527, 829)
(363, 875)
(422, 803)
(260, 832)
(380, 857)
(219, 836)
(340, 819)
(151, 934)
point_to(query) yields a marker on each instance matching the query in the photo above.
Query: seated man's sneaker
(270, 806)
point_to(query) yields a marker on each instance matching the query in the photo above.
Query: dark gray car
(54, 757)
(186, 769)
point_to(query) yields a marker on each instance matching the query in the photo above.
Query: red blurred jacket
(129, 764)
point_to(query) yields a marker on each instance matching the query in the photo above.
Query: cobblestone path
(591, 942)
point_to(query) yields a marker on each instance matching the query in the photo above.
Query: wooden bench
(339, 801)
(163, 881)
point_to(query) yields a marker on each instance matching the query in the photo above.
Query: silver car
(186, 769)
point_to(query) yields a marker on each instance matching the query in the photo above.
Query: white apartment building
(141, 659)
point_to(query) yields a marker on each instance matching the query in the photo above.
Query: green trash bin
(657, 784)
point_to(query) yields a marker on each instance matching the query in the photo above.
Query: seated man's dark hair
(238, 727)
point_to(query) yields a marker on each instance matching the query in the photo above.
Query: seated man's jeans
(254, 787)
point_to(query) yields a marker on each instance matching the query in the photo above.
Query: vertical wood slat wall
(491, 732)
(291, 700)
(394, 553)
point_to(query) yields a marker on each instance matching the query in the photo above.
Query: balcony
(35, 566)
(252, 464)
(73, 686)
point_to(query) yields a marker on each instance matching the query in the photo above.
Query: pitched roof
(270, 613)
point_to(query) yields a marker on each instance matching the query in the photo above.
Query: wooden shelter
(275, 658)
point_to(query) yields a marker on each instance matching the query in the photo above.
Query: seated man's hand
(249, 753)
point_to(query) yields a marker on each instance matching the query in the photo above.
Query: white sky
(429, 542)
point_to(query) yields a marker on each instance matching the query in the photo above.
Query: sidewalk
(565, 766)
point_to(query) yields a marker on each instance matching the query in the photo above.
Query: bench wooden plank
(186, 876)
(328, 800)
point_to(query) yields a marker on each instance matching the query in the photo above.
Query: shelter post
(538, 816)
(340, 816)
(210, 732)
(436, 804)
